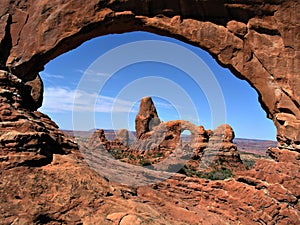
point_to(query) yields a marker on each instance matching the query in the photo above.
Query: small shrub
(187, 171)
(116, 153)
(158, 155)
(145, 162)
(131, 157)
(217, 174)
(220, 161)
(249, 163)
(140, 157)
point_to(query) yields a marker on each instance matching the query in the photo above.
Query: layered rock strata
(27, 137)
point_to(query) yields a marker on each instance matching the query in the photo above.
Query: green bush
(158, 155)
(217, 174)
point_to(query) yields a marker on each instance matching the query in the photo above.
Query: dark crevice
(101, 5)
(263, 30)
(6, 43)
(46, 219)
(289, 47)
(261, 63)
(243, 11)
(281, 122)
(286, 110)
(37, 163)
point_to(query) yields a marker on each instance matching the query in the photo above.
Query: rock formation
(123, 137)
(165, 135)
(164, 144)
(27, 138)
(96, 141)
(146, 119)
(223, 133)
(220, 150)
(41, 183)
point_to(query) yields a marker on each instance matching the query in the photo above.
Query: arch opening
(232, 39)
(240, 98)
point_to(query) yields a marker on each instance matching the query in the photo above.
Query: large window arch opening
(62, 75)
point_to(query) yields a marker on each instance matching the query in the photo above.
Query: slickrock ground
(67, 191)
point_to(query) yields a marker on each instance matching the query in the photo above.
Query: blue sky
(175, 93)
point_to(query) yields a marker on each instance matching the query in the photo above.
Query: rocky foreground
(69, 191)
(70, 188)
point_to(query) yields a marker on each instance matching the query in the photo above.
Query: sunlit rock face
(147, 118)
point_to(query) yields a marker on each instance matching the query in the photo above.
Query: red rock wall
(257, 40)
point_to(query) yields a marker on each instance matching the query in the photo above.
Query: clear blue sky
(63, 74)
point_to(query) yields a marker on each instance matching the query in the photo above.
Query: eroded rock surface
(220, 150)
(27, 138)
(123, 137)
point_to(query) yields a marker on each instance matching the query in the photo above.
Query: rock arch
(257, 40)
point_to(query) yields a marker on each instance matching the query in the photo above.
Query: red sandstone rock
(223, 133)
(266, 55)
(146, 118)
(26, 138)
(237, 28)
(37, 91)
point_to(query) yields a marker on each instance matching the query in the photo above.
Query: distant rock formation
(223, 133)
(146, 119)
(96, 141)
(221, 151)
(204, 150)
(123, 137)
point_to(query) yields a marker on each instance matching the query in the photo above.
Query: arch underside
(256, 40)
